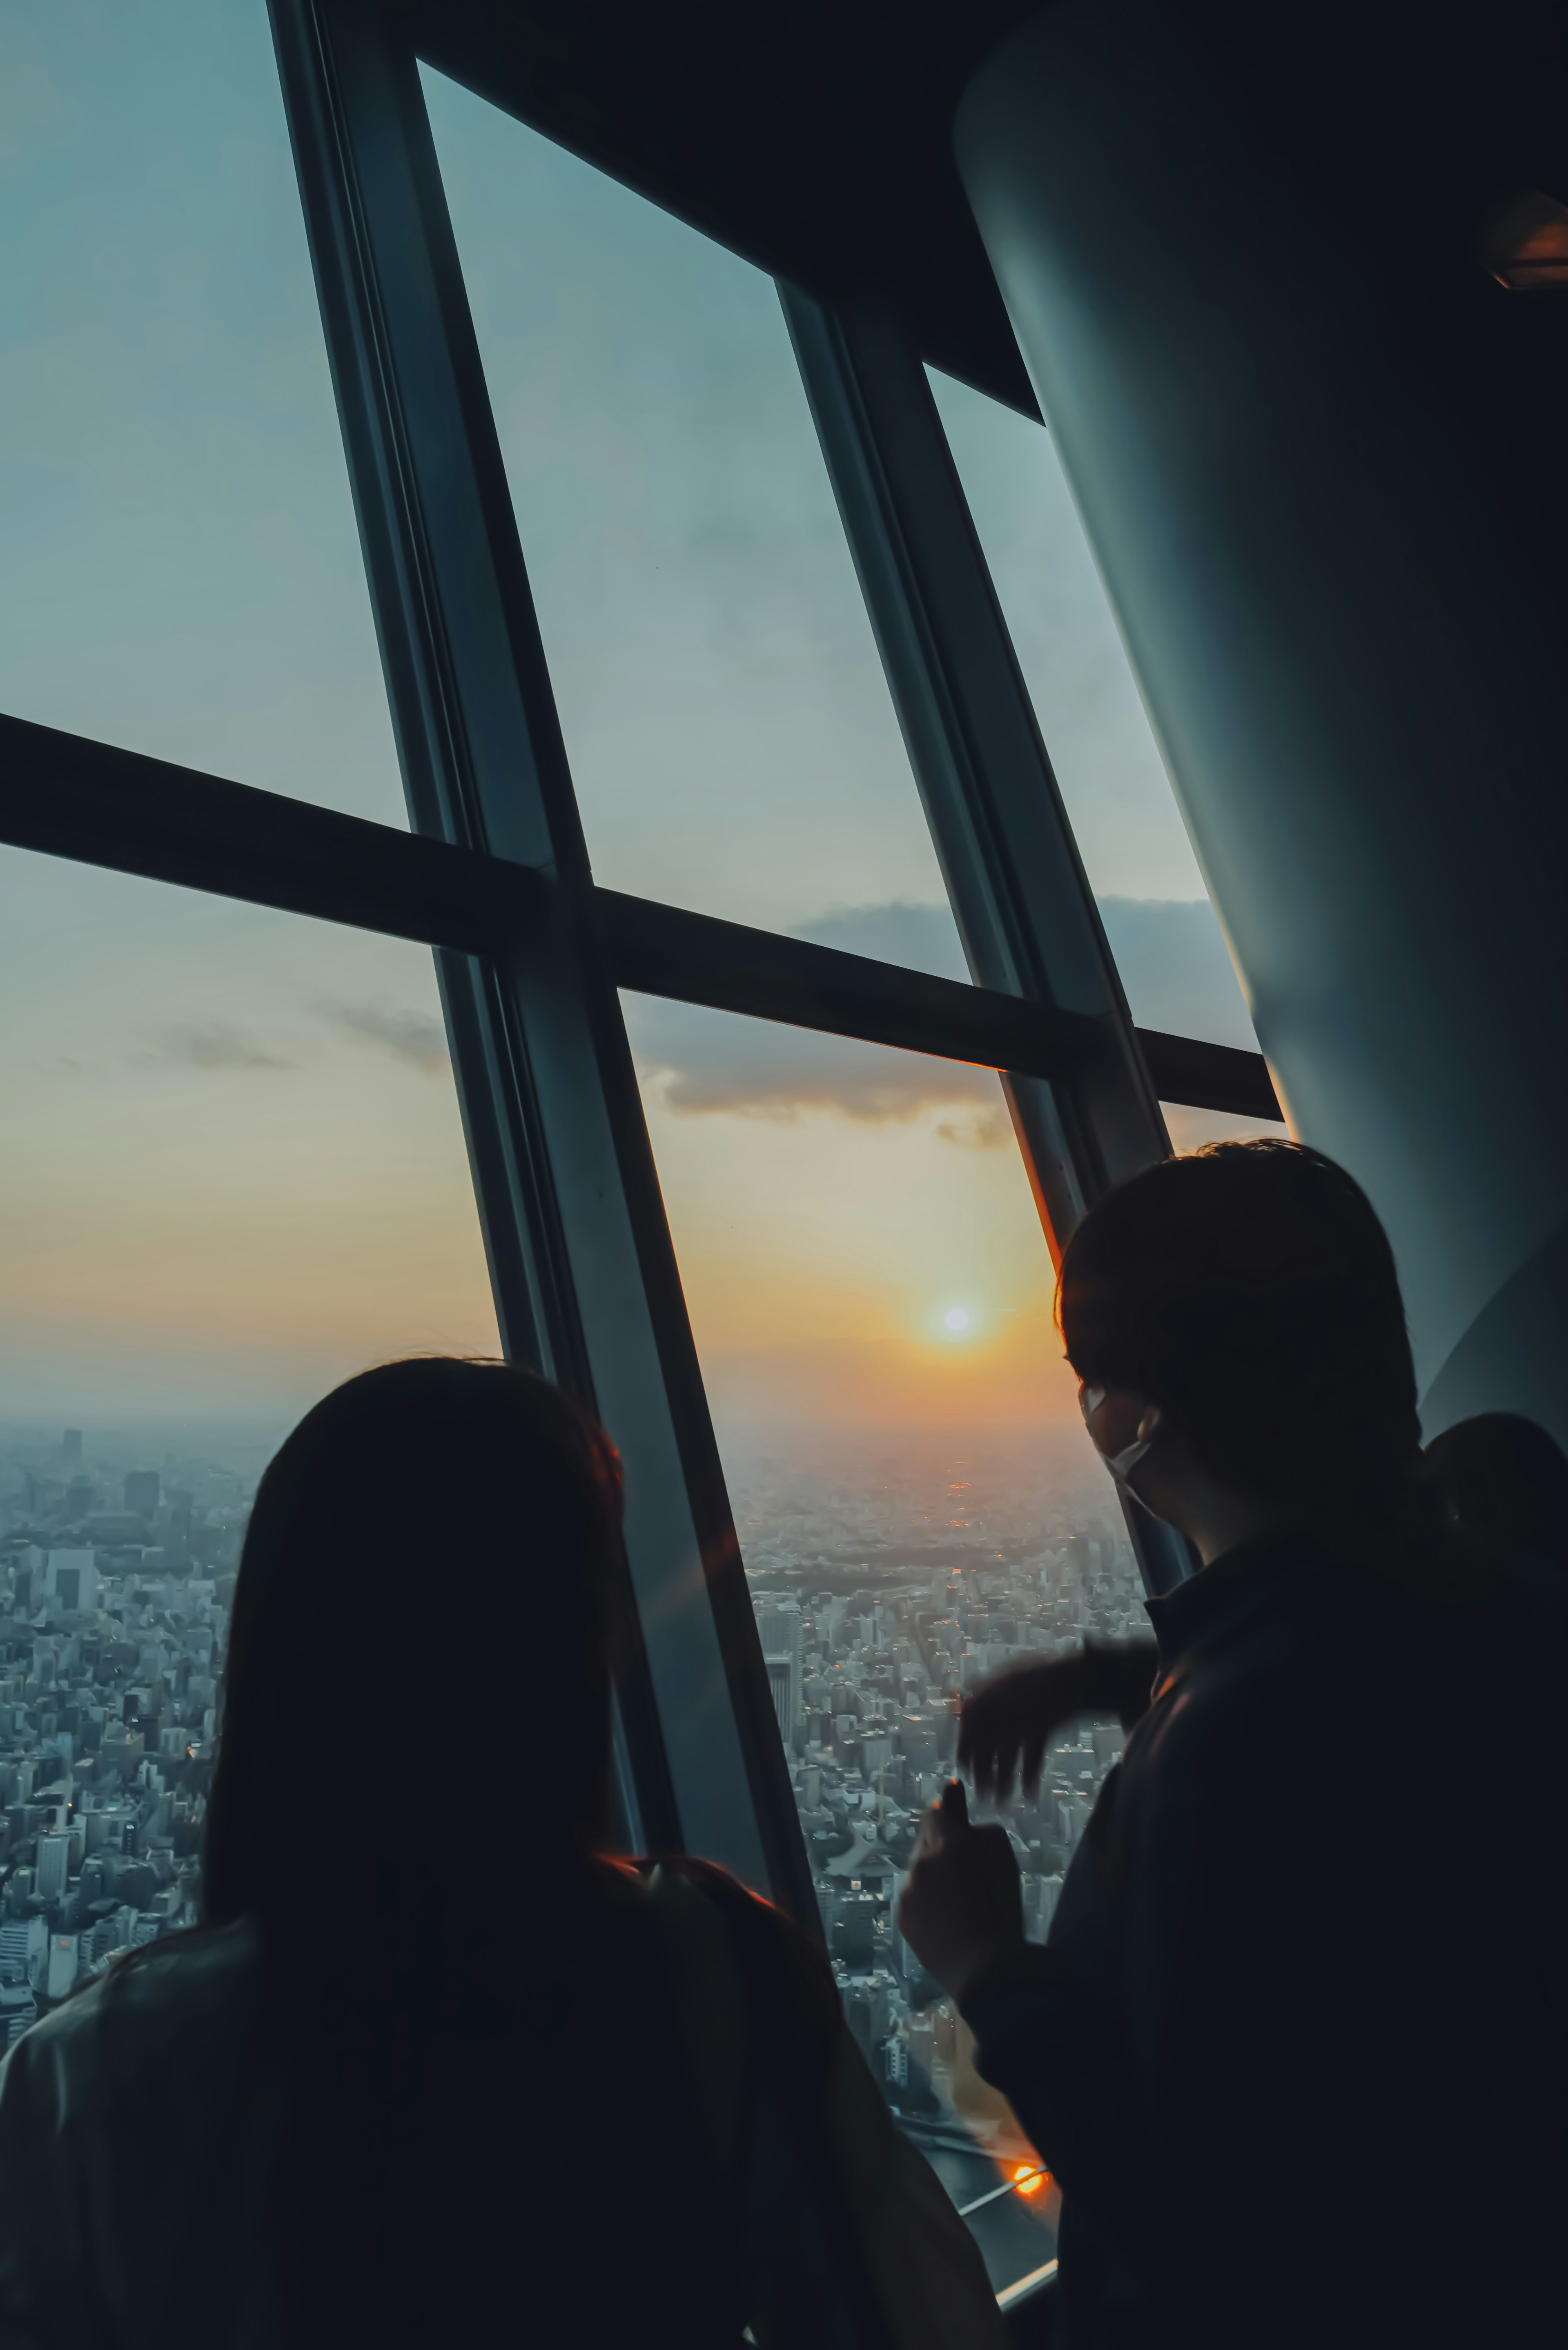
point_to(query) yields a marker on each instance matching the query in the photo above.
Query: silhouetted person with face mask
(439, 2070)
(1294, 2048)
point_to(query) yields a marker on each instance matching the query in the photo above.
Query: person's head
(1237, 1313)
(425, 1601)
(1504, 1480)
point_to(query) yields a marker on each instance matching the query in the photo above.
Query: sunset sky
(235, 1170)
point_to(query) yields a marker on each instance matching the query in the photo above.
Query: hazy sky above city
(235, 1168)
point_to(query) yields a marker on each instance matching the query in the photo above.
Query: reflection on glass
(1173, 959)
(730, 734)
(180, 571)
(871, 1297)
(236, 1176)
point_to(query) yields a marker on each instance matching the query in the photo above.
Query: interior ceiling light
(1527, 250)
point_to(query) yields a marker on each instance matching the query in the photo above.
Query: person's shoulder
(200, 1990)
(779, 1958)
(750, 1912)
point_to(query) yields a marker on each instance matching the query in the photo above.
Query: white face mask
(1120, 1464)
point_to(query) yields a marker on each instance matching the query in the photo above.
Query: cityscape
(885, 1582)
(116, 1575)
(887, 1576)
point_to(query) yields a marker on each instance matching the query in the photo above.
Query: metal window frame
(494, 877)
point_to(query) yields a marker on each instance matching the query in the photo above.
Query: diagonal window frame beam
(66, 795)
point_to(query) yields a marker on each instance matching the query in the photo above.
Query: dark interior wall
(814, 139)
(1323, 459)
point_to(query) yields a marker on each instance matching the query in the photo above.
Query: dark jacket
(1295, 2049)
(143, 2127)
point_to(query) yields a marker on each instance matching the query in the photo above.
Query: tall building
(63, 1955)
(53, 1867)
(71, 1445)
(142, 1490)
(22, 1950)
(19, 2010)
(70, 1579)
(779, 1630)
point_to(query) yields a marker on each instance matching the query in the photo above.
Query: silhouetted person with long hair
(1294, 2047)
(436, 2071)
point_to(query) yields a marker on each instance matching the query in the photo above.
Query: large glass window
(871, 1296)
(235, 1175)
(1162, 928)
(179, 570)
(730, 734)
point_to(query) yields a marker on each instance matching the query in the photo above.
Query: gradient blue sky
(240, 1171)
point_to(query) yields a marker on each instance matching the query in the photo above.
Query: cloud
(706, 1063)
(987, 1129)
(921, 938)
(1170, 953)
(215, 1045)
(416, 1038)
(709, 1062)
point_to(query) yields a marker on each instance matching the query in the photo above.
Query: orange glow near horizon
(868, 1267)
(862, 1271)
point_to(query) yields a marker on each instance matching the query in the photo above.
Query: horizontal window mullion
(1195, 1074)
(659, 950)
(64, 796)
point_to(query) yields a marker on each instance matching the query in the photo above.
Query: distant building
(70, 1580)
(779, 1630)
(63, 1954)
(141, 1490)
(18, 2011)
(852, 1927)
(868, 2005)
(1040, 1897)
(71, 1444)
(23, 1954)
(54, 1868)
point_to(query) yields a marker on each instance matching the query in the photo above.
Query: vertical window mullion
(1020, 895)
(560, 1144)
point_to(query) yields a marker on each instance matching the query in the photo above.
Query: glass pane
(1173, 959)
(1189, 1128)
(180, 569)
(236, 1175)
(915, 1498)
(730, 731)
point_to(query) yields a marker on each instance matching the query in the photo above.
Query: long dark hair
(411, 1762)
(436, 1537)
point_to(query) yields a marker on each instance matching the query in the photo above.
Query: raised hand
(1008, 1722)
(962, 1907)
(1011, 1719)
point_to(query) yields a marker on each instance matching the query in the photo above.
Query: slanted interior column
(1321, 457)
